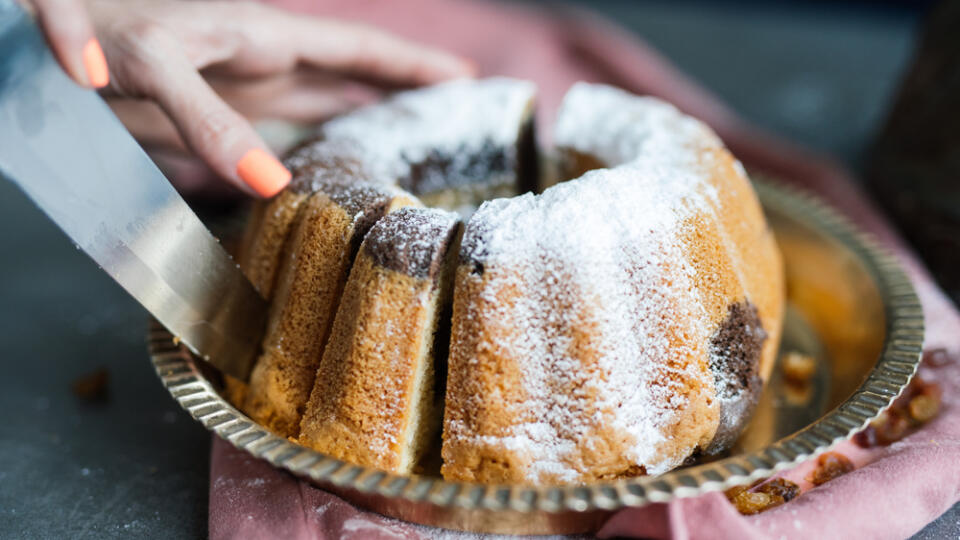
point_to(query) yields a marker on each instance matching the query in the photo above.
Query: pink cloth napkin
(894, 491)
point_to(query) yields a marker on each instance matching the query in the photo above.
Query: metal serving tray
(851, 308)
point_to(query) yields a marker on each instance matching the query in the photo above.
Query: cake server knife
(62, 145)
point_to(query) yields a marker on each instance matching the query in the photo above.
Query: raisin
(93, 386)
(797, 394)
(891, 426)
(918, 387)
(936, 357)
(780, 487)
(867, 438)
(923, 408)
(798, 368)
(751, 499)
(734, 492)
(919, 403)
(829, 466)
(753, 502)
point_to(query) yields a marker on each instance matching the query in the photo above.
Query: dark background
(821, 73)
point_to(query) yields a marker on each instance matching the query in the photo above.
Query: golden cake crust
(358, 410)
(483, 399)
(373, 400)
(267, 230)
(320, 250)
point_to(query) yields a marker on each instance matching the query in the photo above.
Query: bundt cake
(374, 401)
(615, 324)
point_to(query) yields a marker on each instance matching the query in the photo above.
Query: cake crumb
(799, 368)
(93, 386)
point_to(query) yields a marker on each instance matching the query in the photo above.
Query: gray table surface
(137, 466)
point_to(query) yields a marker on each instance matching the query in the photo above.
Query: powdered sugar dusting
(411, 240)
(619, 127)
(471, 125)
(579, 267)
(599, 266)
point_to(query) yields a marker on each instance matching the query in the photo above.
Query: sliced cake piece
(268, 229)
(271, 221)
(269, 224)
(316, 259)
(374, 401)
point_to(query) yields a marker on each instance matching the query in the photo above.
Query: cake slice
(374, 400)
(315, 262)
(267, 229)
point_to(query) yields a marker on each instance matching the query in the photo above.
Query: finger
(193, 178)
(221, 137)
(152, 64)
(148, 124)
(67, 27)
(297, 97)
(366, 51)
(294, 98)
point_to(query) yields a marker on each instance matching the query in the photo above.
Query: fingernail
(96, 64)
(263, 173)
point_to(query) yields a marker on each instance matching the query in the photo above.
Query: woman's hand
(265, 62)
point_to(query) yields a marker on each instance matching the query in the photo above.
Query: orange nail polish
(96, 64)
(263, 173)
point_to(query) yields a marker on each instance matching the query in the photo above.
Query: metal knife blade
(63, 146)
